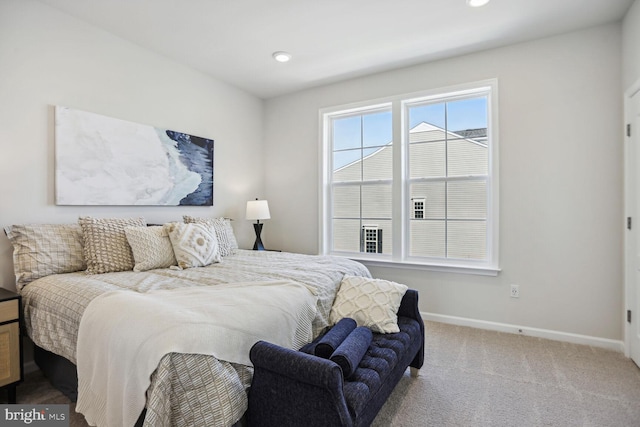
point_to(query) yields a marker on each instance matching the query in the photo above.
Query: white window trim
(399, 104)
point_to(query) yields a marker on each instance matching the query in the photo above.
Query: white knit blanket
(123, 335)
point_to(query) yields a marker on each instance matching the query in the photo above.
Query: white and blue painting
(105, 161)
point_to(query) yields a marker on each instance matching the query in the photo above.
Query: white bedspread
(123, 335)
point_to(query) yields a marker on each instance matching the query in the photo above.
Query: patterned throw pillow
(195, 245)
(370, 302)
(224, 232)
(43, 249)
(151, 247)
(105, 244)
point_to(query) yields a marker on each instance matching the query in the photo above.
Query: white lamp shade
(258, 209)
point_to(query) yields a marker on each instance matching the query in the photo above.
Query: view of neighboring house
(447, 213)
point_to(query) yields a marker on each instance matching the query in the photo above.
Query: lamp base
(258, 246)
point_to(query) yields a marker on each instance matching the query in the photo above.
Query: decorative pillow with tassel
(194, 245)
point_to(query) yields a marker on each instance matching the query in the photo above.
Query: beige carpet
(474, 377)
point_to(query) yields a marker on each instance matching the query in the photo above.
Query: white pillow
(224, 232)
(372, 303)
(194, 245)
(151, 247)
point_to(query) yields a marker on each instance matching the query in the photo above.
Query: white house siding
(425, 132)
(431, 236)
(427, 159)
(346, 234)
(467, 200)
(427, 238)
(346, 201)
(466, 239)
(375, 201)
(467, 158)
(378, 165)
(434, 195)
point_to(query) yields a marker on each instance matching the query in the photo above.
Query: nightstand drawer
(9, 310)
(9, 353)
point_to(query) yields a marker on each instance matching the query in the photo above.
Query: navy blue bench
(293, 388)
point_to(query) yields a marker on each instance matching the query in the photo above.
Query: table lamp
(258, 209)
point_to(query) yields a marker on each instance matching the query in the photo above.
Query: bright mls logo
(38, 415)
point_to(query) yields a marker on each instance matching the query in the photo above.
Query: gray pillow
(151, 247)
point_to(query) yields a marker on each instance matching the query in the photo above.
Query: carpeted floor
(35, 389)
(474, 377)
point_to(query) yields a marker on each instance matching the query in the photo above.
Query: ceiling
(330, 40)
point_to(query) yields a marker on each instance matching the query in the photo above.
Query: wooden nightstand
(10, 342)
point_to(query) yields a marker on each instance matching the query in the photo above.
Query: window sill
(443, 268)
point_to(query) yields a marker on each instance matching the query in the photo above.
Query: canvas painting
(106, 161)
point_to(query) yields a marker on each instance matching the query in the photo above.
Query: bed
(186, 389)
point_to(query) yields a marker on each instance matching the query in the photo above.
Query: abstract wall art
(105, 161)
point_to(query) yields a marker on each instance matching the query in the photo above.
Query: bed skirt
(63, 375)
(60, 372)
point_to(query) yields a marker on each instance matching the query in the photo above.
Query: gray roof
(472, 133)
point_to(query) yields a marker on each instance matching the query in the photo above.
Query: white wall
(631, 46)
(48, 58)
(560, 113)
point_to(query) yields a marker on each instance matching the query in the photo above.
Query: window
(384, 161)
(418, 208)
(361, 177)
(448, 163)
(371, 240)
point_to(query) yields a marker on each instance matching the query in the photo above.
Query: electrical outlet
(515, 291)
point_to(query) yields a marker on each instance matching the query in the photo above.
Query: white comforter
(123, 335)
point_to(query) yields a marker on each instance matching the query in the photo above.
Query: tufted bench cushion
(383, 355)
(294, 388)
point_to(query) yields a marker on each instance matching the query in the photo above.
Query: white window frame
(400, 217)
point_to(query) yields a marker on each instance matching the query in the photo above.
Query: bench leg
(415, 372)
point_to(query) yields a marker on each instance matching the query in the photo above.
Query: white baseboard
(525, 330)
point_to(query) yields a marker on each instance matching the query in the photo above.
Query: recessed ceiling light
(282, 56)
(477, 3)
